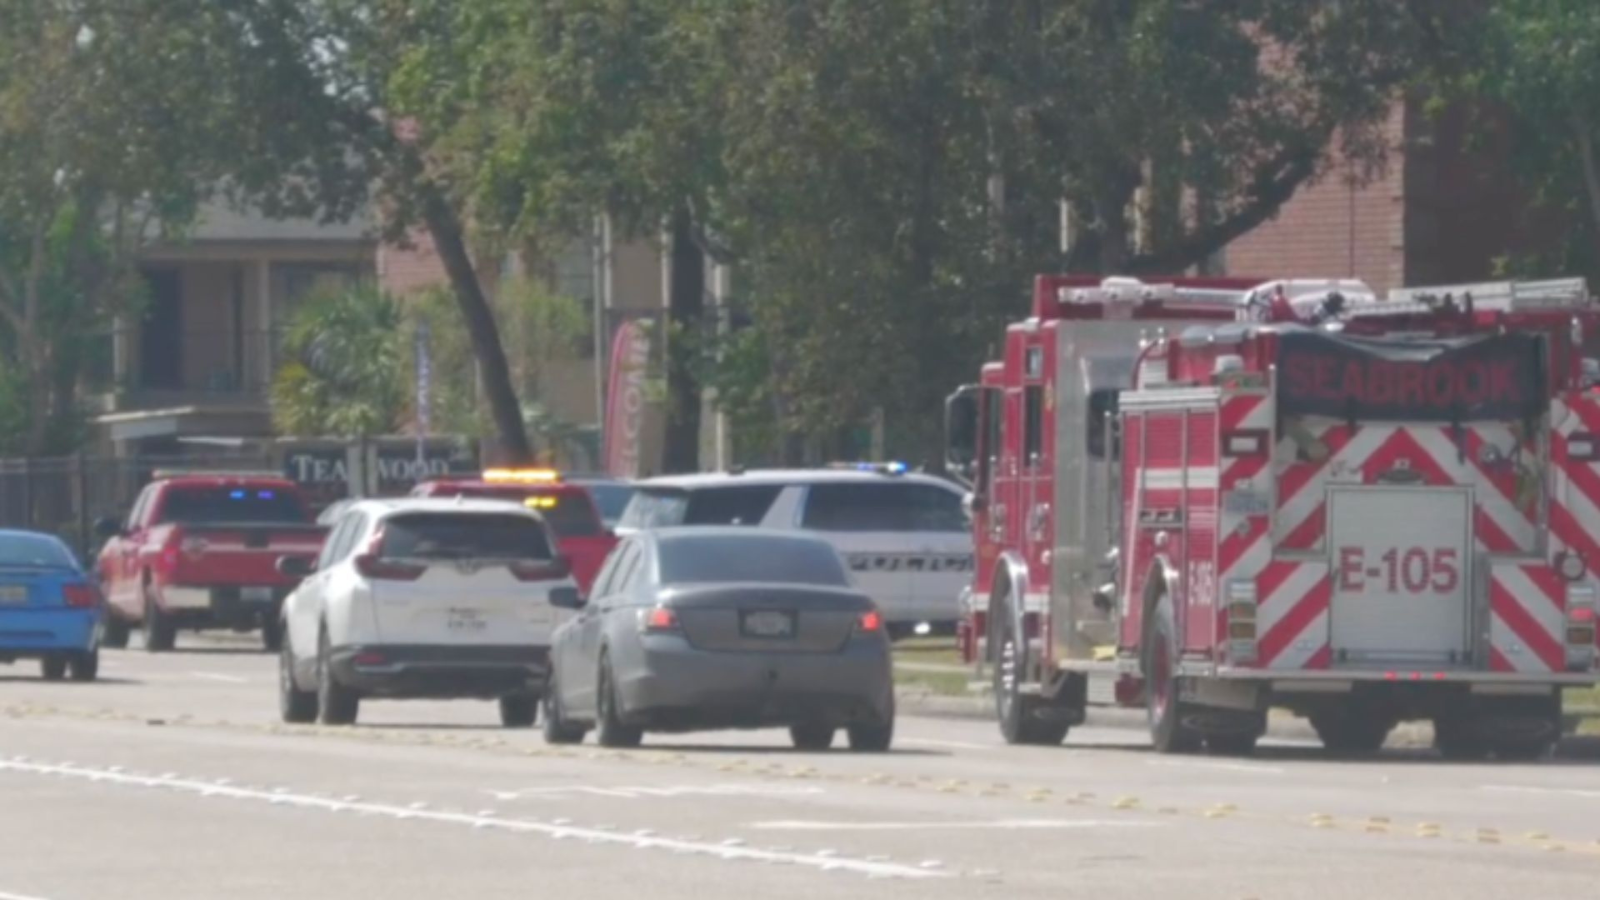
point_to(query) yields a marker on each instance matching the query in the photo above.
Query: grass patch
(947, 684)
(929, 651)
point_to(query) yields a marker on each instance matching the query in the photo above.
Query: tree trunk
(450, 242)
(1591, 171)
(686, 308)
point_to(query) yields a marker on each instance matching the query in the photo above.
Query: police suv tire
(113, 631)
(336, 704)
(612, 731)
(296, 707)
(84, 665)
(53, 667)
(519, 710)
(811, 736)
(271, 634)
(160, 634)
(557, 730)
(1163, 706)
(1018, 713)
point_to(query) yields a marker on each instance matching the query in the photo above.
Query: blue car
(49, 609)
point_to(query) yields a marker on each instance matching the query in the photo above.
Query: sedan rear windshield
(27, 551)
(763, 560)
(464, 536)
(231, 505)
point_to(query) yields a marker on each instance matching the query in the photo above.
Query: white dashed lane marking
(729, 851)
(656, 791)
(1556, 792)
(998, 824)
(7, 896)
(225, 679)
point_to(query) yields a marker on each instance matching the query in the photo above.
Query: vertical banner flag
(625, 398)
(424, 382)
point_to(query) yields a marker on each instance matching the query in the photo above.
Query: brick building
(1443, 209)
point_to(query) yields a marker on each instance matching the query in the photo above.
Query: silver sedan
(708, 628)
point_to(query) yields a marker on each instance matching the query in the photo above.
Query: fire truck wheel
(1019, 713)
(1347, 732)
(1165, 711)
(1458, 738)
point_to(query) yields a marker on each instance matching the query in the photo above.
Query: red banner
(625, 399)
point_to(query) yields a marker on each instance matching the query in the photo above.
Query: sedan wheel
(84, 665)
(812, 736)
(613, 733)
(519, 710)
(53, 667)
(557, 730)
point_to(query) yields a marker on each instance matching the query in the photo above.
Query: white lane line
(999, 824)
(1252, 768)
(953, 745)
(1517, 789)
(6, 896)
(281, 797)
(636, 793)
(215, 676)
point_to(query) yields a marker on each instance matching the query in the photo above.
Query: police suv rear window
(464, 536)
(231, 505)
(883, 507)
(744, 504)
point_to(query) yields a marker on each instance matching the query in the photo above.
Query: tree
(343, 369)
(1538, 63)
(318, 131)
(106, 134)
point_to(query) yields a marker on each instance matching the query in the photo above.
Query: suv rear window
(744, 504)
(883, 507)
(464, 536)
(231, 505)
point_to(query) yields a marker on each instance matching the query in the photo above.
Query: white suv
(905, 536)
(423, 598)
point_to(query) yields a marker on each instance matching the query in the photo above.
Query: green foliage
(1538, 62)
(344, 363)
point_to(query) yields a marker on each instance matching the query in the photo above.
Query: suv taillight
(371, 564)
(543, 570)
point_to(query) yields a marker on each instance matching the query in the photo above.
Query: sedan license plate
(13, 594)
(465, 620)
(256, 595)
(767, 625)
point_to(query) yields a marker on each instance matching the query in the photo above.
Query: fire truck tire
(1344, 731)
(1165, 711)
(1018, 713)
(1458, 738)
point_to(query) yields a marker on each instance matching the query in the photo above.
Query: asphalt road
(172, 779)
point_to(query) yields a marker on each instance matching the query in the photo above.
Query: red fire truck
(1230, 495)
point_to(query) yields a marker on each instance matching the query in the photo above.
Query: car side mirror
(107, 527)
(296, 566)
(566, 597)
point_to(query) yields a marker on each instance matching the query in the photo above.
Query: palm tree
(343, 368)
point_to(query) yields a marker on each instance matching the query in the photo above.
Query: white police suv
(904, 535)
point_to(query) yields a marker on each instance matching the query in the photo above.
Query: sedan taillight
(81, 596)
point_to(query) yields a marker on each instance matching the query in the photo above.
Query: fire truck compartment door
(1401, 572)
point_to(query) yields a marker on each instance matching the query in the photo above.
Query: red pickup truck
(200, 550)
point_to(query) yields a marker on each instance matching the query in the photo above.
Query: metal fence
(65, 495)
